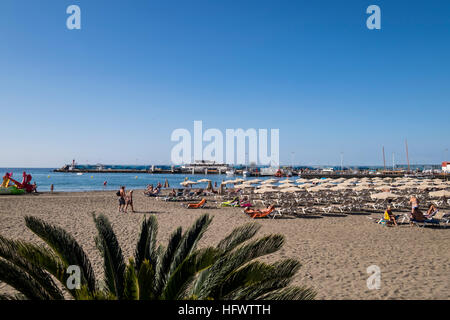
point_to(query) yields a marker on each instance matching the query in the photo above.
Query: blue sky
(114, 91)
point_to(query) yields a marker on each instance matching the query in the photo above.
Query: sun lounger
(198, 205)
(259, 213)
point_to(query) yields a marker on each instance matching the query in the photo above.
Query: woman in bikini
(129, 201)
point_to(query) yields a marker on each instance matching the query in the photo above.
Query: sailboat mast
(384, 160)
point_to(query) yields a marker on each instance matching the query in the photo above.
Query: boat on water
(270, 171)
(245, 173)
(205, 166)
(230, 172)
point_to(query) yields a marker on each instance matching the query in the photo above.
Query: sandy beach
(334, 250)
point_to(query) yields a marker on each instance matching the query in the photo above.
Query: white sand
(334, 251)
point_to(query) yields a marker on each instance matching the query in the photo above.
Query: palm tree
(178, 271)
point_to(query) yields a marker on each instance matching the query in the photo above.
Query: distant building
(446, 166)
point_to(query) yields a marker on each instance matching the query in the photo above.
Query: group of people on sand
(153, 191)
(415, 215)
(125, 199)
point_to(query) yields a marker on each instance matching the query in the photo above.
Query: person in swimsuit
(432, 211)
(414, 203)
(389, 216)
(121, 195)
(129, 201)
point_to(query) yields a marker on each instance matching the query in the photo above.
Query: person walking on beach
(121, 194)
(129, 201)
(51, 188)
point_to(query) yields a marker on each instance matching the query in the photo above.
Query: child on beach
(121, 194)
(129, 201)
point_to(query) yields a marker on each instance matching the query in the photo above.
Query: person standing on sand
(414, 203)
(51, 188)
(129, 201)
(121, 194)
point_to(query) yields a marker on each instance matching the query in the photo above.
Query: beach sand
(335, 251)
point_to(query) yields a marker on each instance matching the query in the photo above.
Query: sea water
(45, 177)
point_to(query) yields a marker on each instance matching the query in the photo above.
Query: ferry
(205, 166)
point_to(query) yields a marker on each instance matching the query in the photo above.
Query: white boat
(268, 171)
(230, 172)
(245, 173)
(79, 173)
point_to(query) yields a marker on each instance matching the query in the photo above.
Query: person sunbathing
(389, 217)
(259, 213)
(417, 216)
(149, 190)
(432, 210)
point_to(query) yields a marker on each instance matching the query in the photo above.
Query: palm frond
(65, 246)
(113, 261)
(11, 250)
(189, 241)
(250, 274)
(278, 279)
(233, 260)
(12, 297)
(146, 281)
(131, 290)
(290, 293)
(182, 277)
(166, 259)
(238, 236)
(22, 281)
(146, 245)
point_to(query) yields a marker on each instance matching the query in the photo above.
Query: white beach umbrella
(188, 183)
(287, 185)
(384, 196)
(291, 189)
(267, 185)
(361, 188)
(269, 181)
(203, 180)
(440, 194)
(229, 182)
(316, 189)
(383, 187)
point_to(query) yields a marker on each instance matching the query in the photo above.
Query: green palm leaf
(238, 236)
(131, 290)
(65, 246)
(166, 259)
(11, 251)
(290, 293)
(189, 241)
(185, 273)
(113, 261)
(211, 283)
(146, 277)
(22, 281)
(146, 245)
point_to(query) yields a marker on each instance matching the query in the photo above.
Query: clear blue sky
(114, 91)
